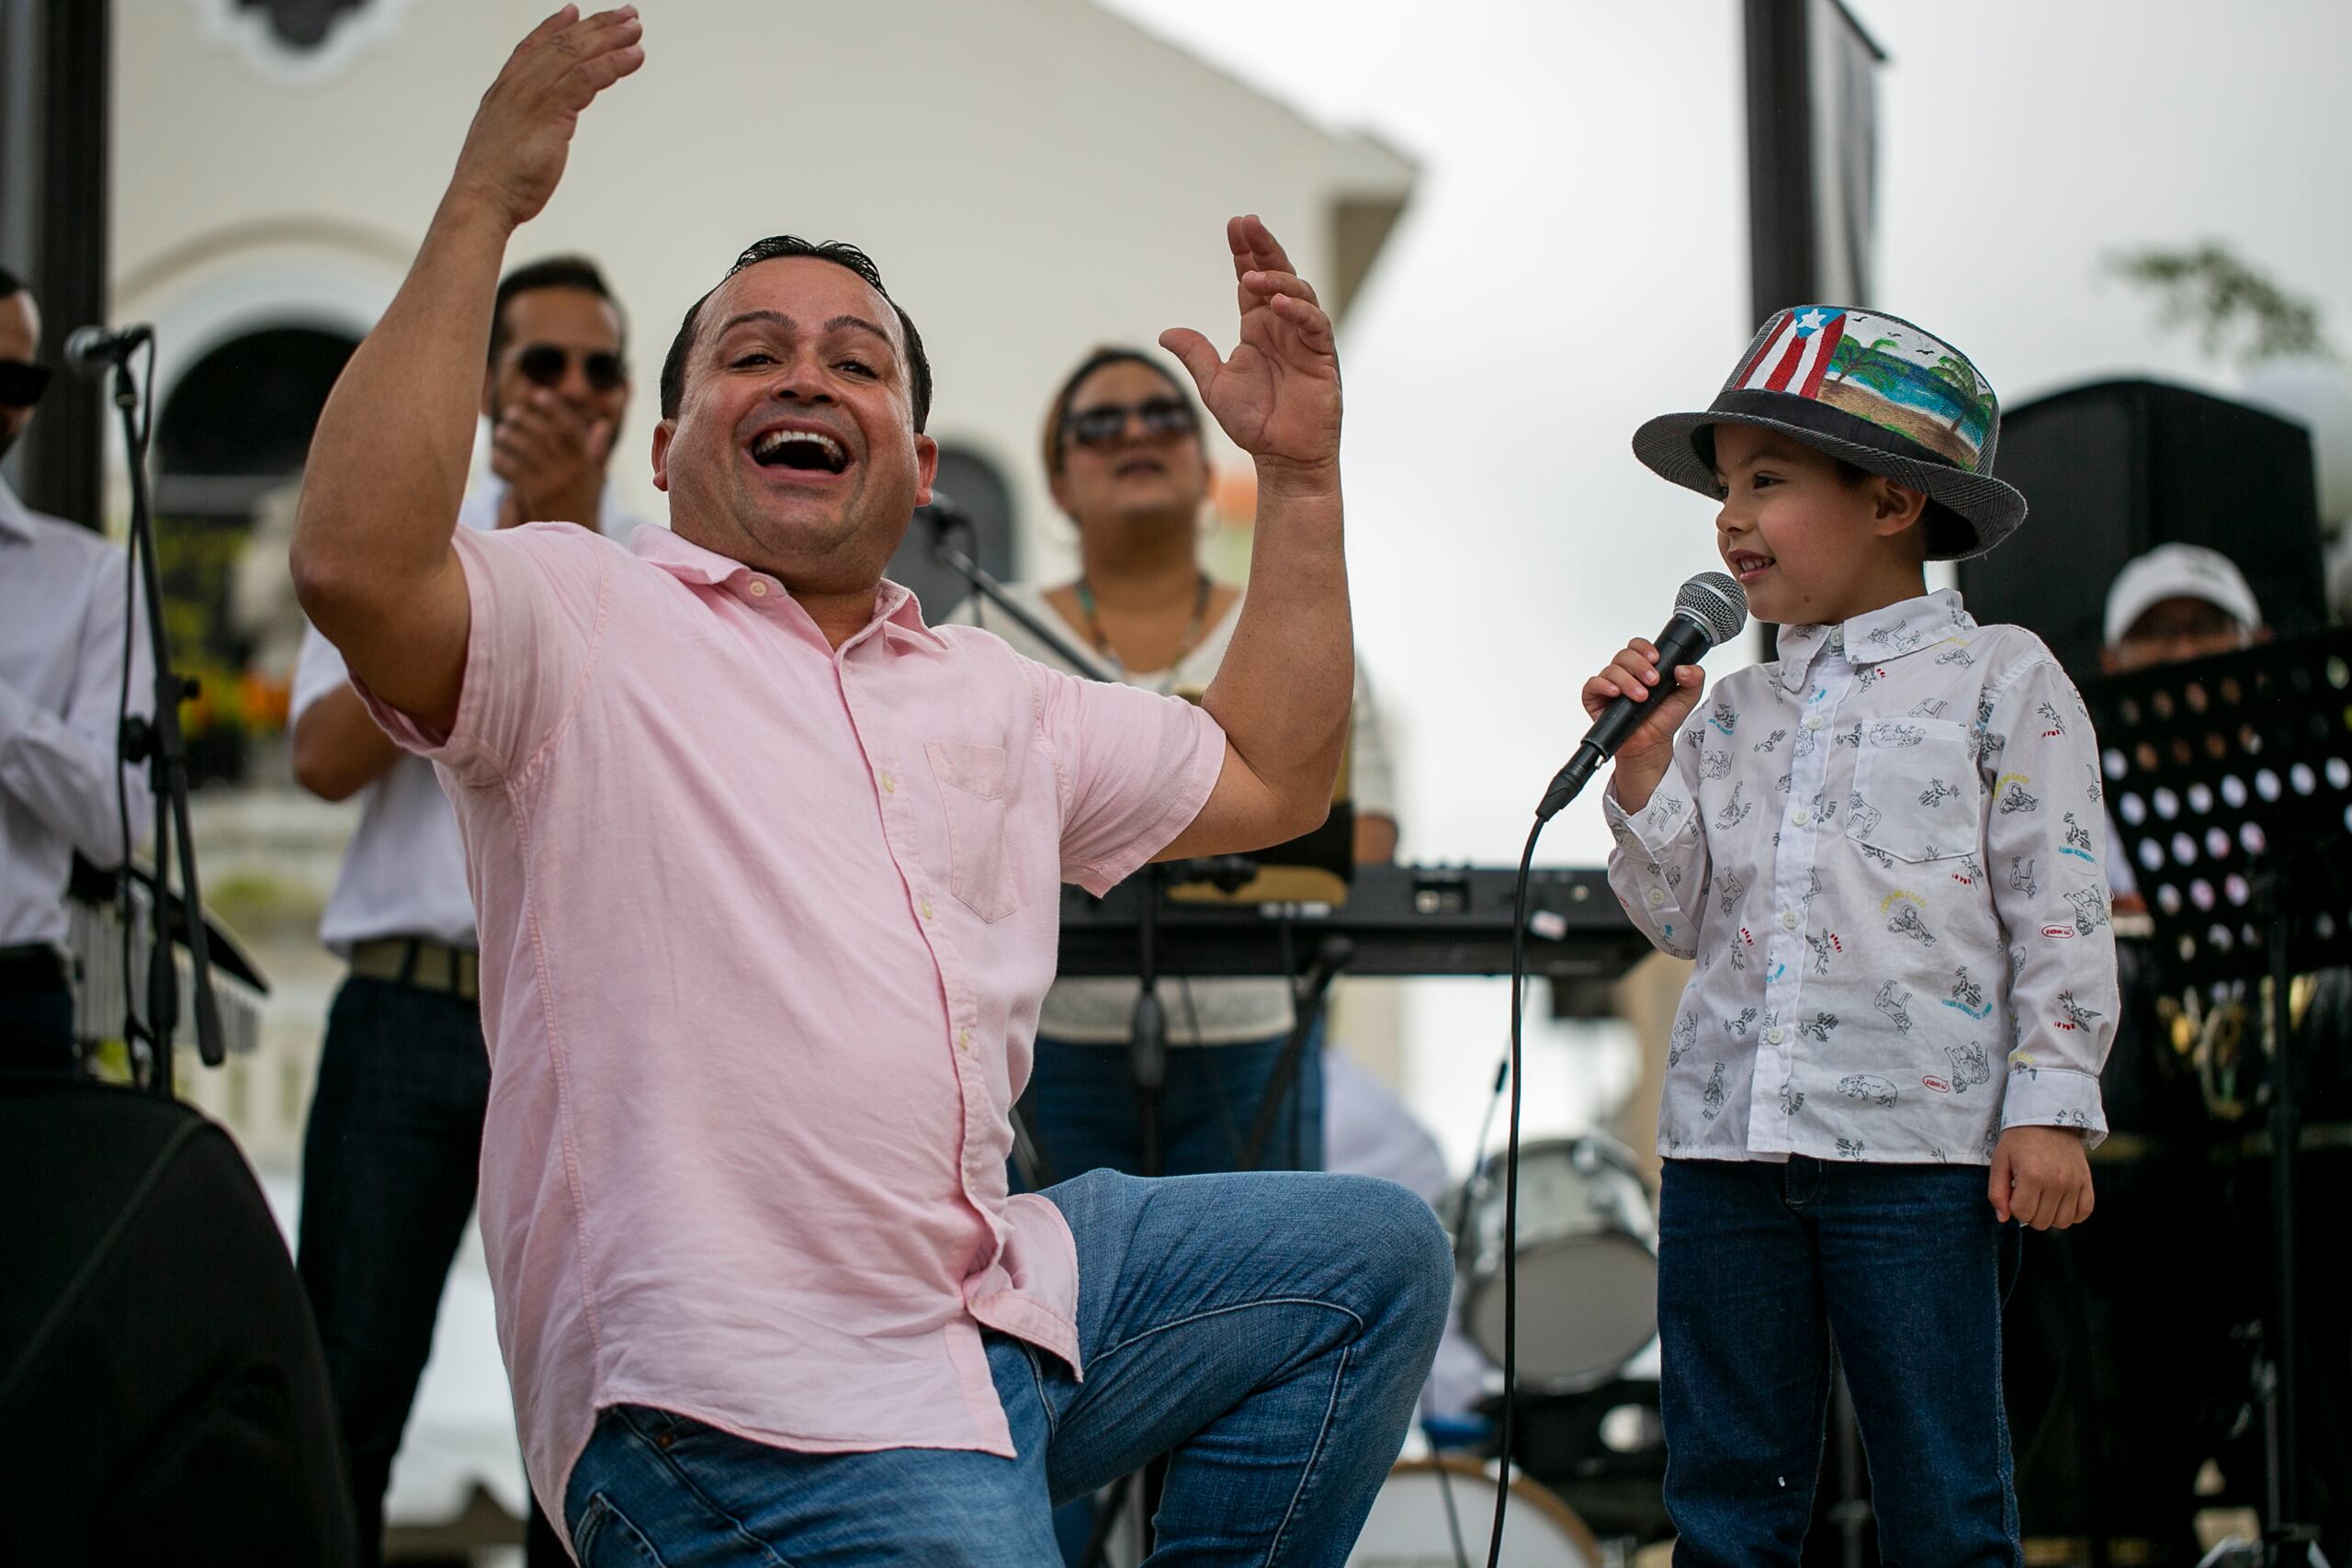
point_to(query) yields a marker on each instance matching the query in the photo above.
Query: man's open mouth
(804, 451)
(1140, 466)
(1745, 564)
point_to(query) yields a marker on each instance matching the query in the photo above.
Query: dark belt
(34, 966)
(427, 965)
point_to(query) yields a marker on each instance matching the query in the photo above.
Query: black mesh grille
(1716, 602)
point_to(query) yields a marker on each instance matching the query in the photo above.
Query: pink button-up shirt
(764, 929)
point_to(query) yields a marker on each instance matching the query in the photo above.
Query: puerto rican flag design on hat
(1795, 357)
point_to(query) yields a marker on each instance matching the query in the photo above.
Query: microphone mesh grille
(1716, 602)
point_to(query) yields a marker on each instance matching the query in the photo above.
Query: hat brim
(1989, 509)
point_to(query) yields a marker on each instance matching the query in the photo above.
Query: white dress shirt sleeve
(319, 670)
(2045, 834)
(60, 767)
(1659, 868)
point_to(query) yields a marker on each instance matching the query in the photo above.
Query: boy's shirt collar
(1906, 626)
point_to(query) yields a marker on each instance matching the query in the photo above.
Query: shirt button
(1775, 1035)
(1788, 920)
(889, 784)
(926, 905)
(1801, 817)
(759, 589)
(963, 1040)
(1813, 721)
(1657, 897)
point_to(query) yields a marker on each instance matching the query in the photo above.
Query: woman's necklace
(1094, 627)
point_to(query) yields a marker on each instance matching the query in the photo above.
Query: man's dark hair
(11, 285)
(778, 247)
(555, 271)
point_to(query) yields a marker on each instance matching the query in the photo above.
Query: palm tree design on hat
(1975, 397)
(1851, 351)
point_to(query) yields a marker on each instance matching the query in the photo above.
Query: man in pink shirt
(765, 872)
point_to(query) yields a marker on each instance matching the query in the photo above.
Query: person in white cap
(2178, 602)
(2174, 602)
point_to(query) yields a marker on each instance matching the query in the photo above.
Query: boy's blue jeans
(1272, 1330)
(1759, 1266)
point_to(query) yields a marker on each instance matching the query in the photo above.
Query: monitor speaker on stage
(163, 1394)
(2113, 469)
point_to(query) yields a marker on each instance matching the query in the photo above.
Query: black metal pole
(2284, 1134)
(1782, 263)
(63, 451)
(1781, 228)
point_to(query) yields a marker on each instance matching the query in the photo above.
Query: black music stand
(2230, 780)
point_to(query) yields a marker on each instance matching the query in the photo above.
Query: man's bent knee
(1404, 1250)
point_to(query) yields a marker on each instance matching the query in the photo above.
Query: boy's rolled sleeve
(2046, 839)
(1658, 868)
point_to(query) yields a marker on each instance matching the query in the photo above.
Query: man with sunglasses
(61, 650)
(394, 1137)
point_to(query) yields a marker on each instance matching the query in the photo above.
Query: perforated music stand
(2230, 779)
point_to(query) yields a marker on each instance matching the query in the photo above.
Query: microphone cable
(1515, 1069)
(1460, 1230)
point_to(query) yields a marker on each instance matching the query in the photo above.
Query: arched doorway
(230, 439)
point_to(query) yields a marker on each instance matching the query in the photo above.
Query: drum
(1588, 1262)
(1440, 1513)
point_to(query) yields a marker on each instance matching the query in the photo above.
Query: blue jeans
(1759, 1267)
(1271, 1329)
(1080, 1103)
(390, 1160)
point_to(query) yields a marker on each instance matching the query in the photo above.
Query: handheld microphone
(1710, 609)
(94, 350)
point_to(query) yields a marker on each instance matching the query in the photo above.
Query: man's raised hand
(1278, 394)
(515, 148)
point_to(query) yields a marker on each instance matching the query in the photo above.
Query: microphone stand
(158, 742)
(945, 517)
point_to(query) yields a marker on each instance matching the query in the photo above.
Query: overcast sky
(1576, 260)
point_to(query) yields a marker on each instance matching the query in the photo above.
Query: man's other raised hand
(1277, 395)
(514, 150)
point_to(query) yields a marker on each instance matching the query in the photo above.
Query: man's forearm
(338, 749)
(387, 468)
(1283, 693)
(64, 778)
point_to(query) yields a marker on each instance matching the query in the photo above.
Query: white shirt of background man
(61, 620)
(404, 872)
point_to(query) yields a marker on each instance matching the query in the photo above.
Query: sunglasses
(1105, 423)
(545, 364)
(22, 383)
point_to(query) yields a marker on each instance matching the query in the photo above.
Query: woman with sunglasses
(1125, 462)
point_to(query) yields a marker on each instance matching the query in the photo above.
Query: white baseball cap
(2178, 572)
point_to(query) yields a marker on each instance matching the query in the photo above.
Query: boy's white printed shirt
(1885, 853)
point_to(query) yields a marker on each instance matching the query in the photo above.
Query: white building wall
(1033, 176)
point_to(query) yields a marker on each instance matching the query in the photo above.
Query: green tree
(1851, 353)
(2208, 287)
(1962, 377)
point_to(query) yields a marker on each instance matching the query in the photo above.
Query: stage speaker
(2116, 469)
(162, 1397)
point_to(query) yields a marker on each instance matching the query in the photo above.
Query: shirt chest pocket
(972, 792)
(1917, 796)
